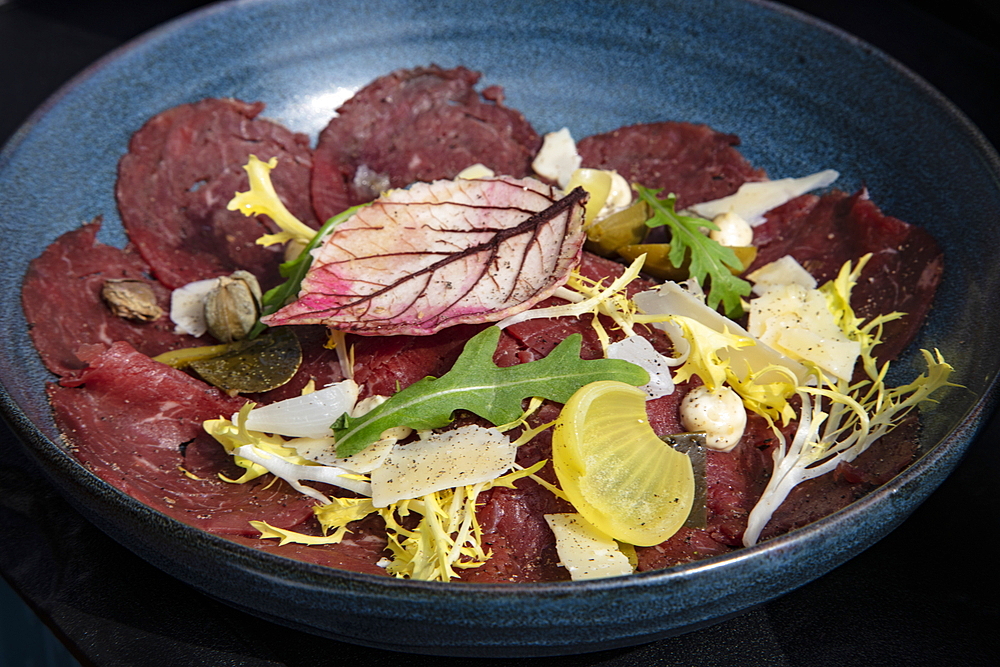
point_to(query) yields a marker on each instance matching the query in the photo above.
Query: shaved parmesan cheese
(557, 159)
(466, 455)
(324, 451)
(584, 550)
(784, 271)
(797, 322)
(671, 298)
(308, 416)
(753, 200)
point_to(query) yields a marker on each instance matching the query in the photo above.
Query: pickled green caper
(622, 228)
(232, 308)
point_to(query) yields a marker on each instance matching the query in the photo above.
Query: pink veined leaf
(440, 254)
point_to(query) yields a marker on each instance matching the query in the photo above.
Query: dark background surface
(928, 594)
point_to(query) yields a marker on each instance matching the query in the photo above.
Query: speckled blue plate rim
(309, 575)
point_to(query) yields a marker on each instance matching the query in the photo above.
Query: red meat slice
(413, 125)
(183, 167)
(692, 161)
(824, 232)
(137, 424)
(67, 319)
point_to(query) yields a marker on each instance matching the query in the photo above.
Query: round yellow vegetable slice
(617, 473)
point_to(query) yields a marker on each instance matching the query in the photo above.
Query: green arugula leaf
(295, 270)
(709, 259)
(478, 385)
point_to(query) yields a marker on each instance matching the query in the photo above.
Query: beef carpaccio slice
(137, 424)
(413, 125)
(692, 161)
(67, 319)
(823, 233)
(182, 168)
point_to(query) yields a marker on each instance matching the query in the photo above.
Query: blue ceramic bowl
(802, 96)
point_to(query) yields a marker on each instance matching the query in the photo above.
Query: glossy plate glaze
(801, 95)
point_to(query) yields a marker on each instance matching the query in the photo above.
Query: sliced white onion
(308, 416)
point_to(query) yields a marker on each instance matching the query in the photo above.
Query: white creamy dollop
(719, 414)
(733, 231)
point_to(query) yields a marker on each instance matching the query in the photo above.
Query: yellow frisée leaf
(670, 299)
(260, 453)
(584, 550)
(262, 199)
(267, 531)
(447, 537)
(586, 296)
(233, 436)
(341, 511)
(706, 345)
(617, 473)
(763, 377)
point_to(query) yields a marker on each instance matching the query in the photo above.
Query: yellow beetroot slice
(617, 473)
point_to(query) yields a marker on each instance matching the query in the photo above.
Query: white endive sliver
(308, 416)
(585, 551)
(466, 455)
(639, 351)
(754, 199)
(294, 473)
(187, 307)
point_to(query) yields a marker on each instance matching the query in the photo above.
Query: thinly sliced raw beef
(413, 125)
(692, 161)
(137, 424)
(824, 232)
(67, 319)
(183, 167)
